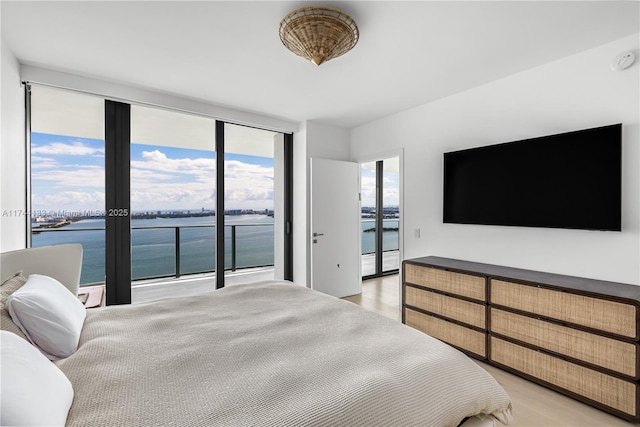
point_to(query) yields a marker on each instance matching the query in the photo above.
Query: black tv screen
(570, 180)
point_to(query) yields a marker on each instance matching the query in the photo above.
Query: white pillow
(49, 315)
(35, 392)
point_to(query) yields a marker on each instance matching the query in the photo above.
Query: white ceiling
(229, 53)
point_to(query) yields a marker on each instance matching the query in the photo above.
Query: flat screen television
(570, 180)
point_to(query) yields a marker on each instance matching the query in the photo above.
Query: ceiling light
(318, 33)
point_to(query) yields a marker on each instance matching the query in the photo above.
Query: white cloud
(83, 176)
(391, 196)
(158, 161)
(68, 149)
(368, 190)
(172, 199)
(38, 162)
(69, 201)
(164, 190)
(157, 181)
(148, 176)
(390, 191)
(248, 185)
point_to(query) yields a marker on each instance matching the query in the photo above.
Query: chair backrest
(62, 262)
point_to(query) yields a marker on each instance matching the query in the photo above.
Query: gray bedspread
(269, 354)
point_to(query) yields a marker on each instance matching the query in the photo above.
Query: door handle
(318, 234)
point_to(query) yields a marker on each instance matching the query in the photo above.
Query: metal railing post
(177, 252)
(233, 248)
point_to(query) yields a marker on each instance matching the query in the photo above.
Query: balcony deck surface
(150, 290)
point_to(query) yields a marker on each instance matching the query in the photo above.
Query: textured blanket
(269, 354)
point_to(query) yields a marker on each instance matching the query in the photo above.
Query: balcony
(162, 252)
(149, 290)
(180, 260)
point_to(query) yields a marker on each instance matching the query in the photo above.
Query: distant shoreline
(58, 222)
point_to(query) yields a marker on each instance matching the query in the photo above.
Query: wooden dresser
(577, 336)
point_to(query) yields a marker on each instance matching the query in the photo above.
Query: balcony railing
(173, 251)
(169, 251)
(390, 238)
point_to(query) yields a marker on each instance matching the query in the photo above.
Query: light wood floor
(534, 406)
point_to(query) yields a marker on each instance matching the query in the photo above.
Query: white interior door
(335, 227)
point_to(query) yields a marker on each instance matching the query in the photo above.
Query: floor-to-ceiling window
(68, 174)
(172, 193)
(368, 204)
(249, 197)
(163, 174)
(380, 223)
(390, 215)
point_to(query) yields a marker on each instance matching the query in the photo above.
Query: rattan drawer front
(459, 336)
(446, 281)
(609, 316)
(463, 311)
(619, 356)
(602, 388)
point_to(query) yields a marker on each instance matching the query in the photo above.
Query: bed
(260, 354)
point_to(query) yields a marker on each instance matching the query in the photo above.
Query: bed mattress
(269, 354)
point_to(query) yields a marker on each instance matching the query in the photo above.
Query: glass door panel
(172, 198)
(198, 247)
(380, 195)
(253, 190)
(152, 251)
(390, 214)
(68, 175)
(368, 214)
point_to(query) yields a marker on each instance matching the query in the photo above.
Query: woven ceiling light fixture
(318, 33)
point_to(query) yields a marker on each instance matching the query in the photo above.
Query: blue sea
(153, 243)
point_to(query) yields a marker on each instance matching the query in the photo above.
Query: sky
(390, 187)
(67, 177)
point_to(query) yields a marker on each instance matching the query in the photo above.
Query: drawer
(596, 386)
(461, 310)
(619, 356)
(465, 285)
(464, 338)
(608, 316)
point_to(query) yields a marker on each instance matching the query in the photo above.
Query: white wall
(327, 142)
(300, 225)
(577, 92)
(12, 155)
(312, 140)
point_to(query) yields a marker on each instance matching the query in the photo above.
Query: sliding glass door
(143, 186)
(250, 193)
(380, 217)
(390, 215)
(172, 193)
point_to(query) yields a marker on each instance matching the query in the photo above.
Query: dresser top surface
(602, 287)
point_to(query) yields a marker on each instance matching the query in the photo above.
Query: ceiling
(229, 53)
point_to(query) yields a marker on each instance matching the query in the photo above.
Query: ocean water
(153, 243)
(389, 235)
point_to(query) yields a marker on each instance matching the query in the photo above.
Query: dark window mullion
(288, 207)
(220, 249)
(117, 202)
